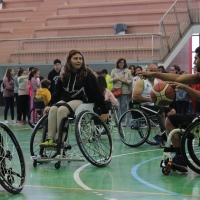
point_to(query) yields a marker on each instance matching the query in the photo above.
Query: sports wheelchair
(12, 164)
(136, 127)
(93, 139)
(36, 113)
(190, 148)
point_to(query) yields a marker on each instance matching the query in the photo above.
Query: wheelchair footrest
(43, 159)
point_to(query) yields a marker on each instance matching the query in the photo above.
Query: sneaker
(21, 122)
(6, 122)
(48, 143)
(14, 122)
(160, 139)
(178, 164)
(25, 122)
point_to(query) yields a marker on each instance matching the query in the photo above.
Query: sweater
(109, 85)
(110, 97)
(64, 91)
(118, 84)
(9, 87)
(23, 85)
(43, 93)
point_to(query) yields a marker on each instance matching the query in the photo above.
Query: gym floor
(133, 173)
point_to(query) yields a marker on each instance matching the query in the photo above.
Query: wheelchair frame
(90, 141)
(12, 164)
(188, 151)
(142, 124)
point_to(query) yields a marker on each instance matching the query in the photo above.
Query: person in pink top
(108, 95)
(8, 94)
(35, 84)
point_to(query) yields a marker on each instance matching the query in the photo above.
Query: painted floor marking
(135, 175)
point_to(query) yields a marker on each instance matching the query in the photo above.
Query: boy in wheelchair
(141, 94)
(177, 120)
(76, 85)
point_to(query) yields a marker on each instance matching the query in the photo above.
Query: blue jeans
(123, 103)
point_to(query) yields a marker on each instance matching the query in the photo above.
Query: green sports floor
(133, 173)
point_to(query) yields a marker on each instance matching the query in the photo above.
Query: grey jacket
(118, 84)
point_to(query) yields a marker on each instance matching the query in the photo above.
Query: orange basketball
(162, 94)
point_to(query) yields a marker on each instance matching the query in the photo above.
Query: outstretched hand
(177, 85)
(145, 74)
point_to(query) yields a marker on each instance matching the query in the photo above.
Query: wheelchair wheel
(38, 136)
(34, 116)
(12, 174)
(190, 147)
(155, 129)
(134, 127)
(93, 138)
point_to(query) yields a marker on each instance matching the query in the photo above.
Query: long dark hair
(66, 70)
(32, 73)
(20, 72)
(102, 84)
(8, 74)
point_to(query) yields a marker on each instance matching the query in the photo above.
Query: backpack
(2, 87)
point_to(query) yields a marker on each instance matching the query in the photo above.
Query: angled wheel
(190, 148)
(34, 116)
(38, 136)
(155, 129)
(12, 174)
(134, 127)
(93, 138)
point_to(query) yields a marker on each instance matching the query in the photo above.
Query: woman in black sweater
(74, 76)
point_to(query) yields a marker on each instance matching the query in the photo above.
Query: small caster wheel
(57, 165)
(166, 171)
(35, 163)
(10, 179)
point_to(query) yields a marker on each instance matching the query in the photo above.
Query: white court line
(77, 172)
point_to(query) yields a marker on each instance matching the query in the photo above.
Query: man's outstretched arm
(184, 78)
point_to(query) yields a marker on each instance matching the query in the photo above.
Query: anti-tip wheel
(166, 171)
(57, 165)
(35, 163)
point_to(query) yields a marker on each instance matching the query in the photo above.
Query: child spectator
(44, 91)
(23, 95)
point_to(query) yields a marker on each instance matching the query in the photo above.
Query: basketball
(162, 94)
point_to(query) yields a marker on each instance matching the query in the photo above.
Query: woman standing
(8, 94)
(23, 95)
(121, 78)
(74, 77)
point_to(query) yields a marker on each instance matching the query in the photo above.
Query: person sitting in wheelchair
(108, 95)
(74, 77)
(44, 92)
(177, 120)
(141, 94)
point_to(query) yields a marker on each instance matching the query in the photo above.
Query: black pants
(9, 103)
(23, 107)
(17, 103)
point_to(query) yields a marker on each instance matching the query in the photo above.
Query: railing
(107, 48)
(142, 47)
(180, 16)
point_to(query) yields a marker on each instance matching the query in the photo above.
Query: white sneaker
(6, 122)
(14, 122)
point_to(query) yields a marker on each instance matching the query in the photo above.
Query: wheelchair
(92, 142)
(136, 127)
(12, 164)
(36, 112)
(190, 147)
